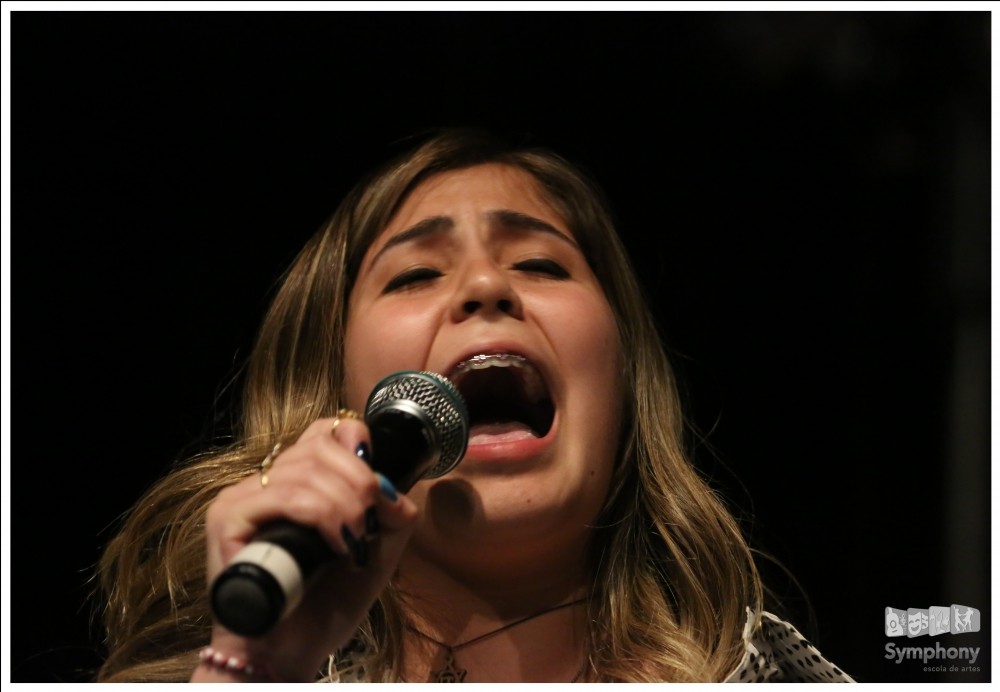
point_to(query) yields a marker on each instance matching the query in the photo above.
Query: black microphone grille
(438, 403)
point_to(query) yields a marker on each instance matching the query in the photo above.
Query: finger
(314, 496)
(353, 435)
(396, 512)
(318, 461)
(346, 421)
(315, 482)
(349, 433)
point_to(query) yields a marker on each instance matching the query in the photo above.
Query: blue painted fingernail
(364, 452)
(386, 487)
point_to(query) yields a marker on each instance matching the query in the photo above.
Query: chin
(505, 508)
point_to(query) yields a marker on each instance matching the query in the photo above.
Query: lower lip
(509, 446)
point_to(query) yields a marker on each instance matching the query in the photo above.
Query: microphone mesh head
(441, 405)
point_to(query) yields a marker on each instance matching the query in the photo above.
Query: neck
(455, 601)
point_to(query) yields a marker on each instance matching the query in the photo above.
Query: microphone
(419, 428)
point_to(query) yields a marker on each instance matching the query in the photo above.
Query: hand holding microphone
(418, 426)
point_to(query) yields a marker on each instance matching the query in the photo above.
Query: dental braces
(531, 379)
(482, 361)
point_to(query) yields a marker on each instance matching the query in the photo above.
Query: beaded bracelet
(232, 664)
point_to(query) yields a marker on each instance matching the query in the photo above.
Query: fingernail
(386, 487)
(364, 452)
(371, 522)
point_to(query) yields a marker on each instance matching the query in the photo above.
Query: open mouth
(504, 392)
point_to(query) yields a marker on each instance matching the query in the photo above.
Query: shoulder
(776, 651)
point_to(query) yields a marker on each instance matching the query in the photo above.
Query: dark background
(806, 197)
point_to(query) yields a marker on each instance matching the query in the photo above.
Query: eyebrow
(519, 221)
(504, 218)
(432, 225)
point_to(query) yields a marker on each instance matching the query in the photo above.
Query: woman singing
(574, 542)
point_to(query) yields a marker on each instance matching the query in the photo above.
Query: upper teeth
(502, 360)
(534, 387)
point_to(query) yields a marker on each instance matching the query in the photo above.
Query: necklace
(452, 673)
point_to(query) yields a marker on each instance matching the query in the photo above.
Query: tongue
(492, 433)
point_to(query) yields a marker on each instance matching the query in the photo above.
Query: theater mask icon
(917, 622)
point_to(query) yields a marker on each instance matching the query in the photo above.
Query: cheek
(597, 355)
(379, 342)
(586, 335)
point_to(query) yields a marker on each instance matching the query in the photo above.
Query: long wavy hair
(671, 574)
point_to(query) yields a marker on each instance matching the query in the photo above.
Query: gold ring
(342, 414)
(265, 465)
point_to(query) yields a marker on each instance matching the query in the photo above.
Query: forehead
(470, 192)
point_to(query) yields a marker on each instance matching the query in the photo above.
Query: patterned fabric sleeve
(777, 652)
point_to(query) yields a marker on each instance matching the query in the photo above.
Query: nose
(485, 290)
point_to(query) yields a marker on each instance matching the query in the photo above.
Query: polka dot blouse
(777, 652)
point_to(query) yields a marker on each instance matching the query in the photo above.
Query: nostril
(504, 305)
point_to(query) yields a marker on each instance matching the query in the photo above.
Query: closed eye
(410, 278)
(540, 265)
